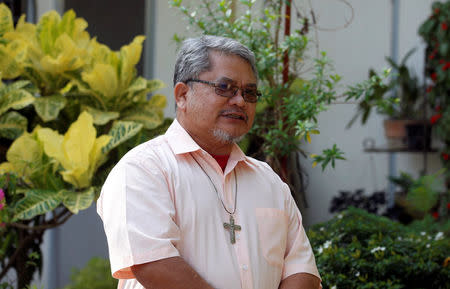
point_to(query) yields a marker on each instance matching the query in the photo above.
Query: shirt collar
(181, 142)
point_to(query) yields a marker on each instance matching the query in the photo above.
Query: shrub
(357, 249)
(96, 275)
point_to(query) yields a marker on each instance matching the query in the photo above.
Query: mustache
(238, 110)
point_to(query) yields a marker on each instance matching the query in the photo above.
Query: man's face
(209, 117)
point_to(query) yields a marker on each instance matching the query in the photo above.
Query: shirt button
(244, 267)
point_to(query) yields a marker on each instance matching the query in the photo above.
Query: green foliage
(361, 250)
(95, 275)
(67, 110)
(436, 33)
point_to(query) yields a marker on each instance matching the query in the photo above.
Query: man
(188, 209)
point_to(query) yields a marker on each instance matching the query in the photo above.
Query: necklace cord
(217, 192)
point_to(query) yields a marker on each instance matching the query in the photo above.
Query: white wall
(355, 49)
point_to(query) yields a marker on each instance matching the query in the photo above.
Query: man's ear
(180, 91)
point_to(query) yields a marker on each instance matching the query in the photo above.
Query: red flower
(435, 215)
(446, 66)
(434, 76)
(446, 157)
(444, 26)
(448, 206)
(435, 118)
(436, 11)
(441, 61)
(429, 88)
(438, 108)
(432, 55)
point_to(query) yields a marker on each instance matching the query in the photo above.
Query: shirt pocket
(272, 233)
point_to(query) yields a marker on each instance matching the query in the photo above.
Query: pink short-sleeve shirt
(157, 202)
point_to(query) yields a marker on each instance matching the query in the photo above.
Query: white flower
(340, 216)
(399, 238)
(428, 245)
(334, 287)
(377, 249)
(423, 233)
(439, 236)
(357, 274)
(327, 244)
(320, 250)
(322, 228)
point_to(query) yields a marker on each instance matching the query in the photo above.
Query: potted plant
(401, 100)
(68, 107)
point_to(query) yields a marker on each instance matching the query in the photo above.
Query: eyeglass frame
(216, 87)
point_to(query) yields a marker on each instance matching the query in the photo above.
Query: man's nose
(238, 99)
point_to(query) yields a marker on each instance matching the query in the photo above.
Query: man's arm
(300, 281)
(172, 273)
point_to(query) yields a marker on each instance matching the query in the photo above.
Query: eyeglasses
(229, 90)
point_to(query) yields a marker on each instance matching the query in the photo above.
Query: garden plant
(69, 108)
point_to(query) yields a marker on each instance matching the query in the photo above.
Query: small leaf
(15, 99)
(101, 117)
(48, 107)
(12, 125)
(78, 201)
(36, 202)
(120, 132)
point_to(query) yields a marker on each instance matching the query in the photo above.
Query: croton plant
(69, 107)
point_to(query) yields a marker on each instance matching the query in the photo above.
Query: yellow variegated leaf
(102, 79)
(12, 56)
(130, 55)
(52, 142)
(69, 57)
(155, 84)
(6, 21)
(78, 201)
(47, 30)
(120, 132)
(48, 107)
(15, 98)
(36, 202)
(96, 157)
(101, 117)
(150, 117)
(24, 153)
(78, 142)
(158, 101)
(308, 137)
(12, 125)
(7, 167)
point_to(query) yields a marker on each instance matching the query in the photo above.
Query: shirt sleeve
(138, 215)
(299, 257)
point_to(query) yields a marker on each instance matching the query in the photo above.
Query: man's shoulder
(261, 166)
(149, 150)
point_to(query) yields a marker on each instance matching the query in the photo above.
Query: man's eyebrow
(229, 80)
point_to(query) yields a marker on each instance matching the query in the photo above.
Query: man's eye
(250, 91)
(224, 86)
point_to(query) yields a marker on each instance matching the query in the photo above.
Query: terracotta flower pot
(396, 128)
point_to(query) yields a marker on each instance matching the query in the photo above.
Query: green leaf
(101, 117)
(48, 107)
(121, 131)
(6, 21)
(36, 202)
(78, 201)
(150, 116)
(12, 125)
(16, 99)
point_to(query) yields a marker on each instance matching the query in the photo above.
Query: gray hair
(193, 57)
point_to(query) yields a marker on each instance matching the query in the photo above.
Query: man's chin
(225, 137)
